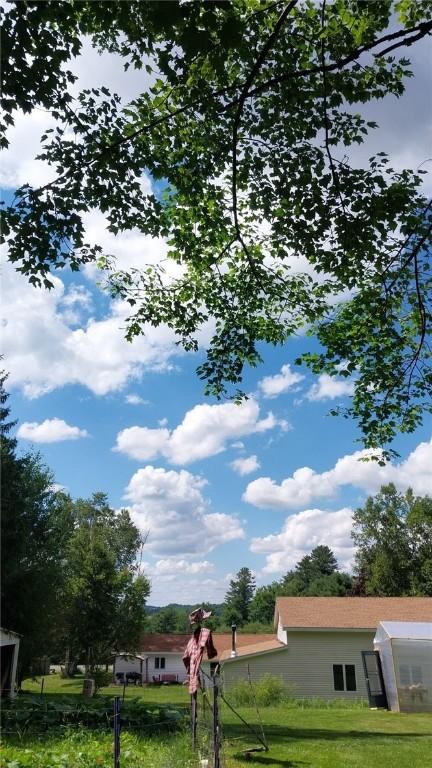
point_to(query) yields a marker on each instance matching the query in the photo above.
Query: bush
(101, 678)
(268, 691)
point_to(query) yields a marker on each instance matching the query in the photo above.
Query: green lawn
(154, 694)
(332, 738)
(297, 737)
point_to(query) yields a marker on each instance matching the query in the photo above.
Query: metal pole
(117, 724)
(194, 717)
(216, 731)
(124, 688)
(233, 641)
(42, 686)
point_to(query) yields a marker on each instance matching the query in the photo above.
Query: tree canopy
(246, 128)
(316, 574)
(393, 536)
(104, 594)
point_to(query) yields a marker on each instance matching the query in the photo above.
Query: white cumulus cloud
(246, 465)
(204, 431)
(50, 431)
(142, 443)
(43, 352)
(172, 567)
(304, 531)
(272, 386)
(328, 388)
(306, 485)
(134, 399)
(170, 506)
(172, 578)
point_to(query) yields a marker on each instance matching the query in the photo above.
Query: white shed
(405, 649)
(9, 649)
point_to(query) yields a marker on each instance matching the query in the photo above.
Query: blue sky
(216, 486)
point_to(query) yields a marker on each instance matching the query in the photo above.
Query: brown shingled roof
(350, 612)
(177, 643)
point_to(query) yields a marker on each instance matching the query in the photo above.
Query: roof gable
(349, 612)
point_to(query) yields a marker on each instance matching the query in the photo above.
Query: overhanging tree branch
(236, 122)
(423, 29)
(326, 121)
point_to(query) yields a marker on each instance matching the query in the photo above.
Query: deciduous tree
(393, 534)
(246, 126)
(420, 531)
(263, 603)
(104, 593)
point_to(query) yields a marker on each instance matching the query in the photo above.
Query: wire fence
(40, 717)
(37, 716)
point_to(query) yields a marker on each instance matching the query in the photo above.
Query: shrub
(101, 678)
(268, 691)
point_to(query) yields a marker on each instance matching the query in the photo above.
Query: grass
(155, 695)
(332, 738)
(298, 735)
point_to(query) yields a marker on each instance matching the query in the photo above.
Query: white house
(160, 657)
(9, 649)
(319, 643)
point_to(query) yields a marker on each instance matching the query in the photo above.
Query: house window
(344, 677)
(159, 662)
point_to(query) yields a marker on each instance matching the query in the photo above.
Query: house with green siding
(318, 643)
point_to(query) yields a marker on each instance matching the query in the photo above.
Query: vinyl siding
(173, 665)
(306, 664)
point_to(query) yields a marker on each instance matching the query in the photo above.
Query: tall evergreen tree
(239, 597)
(320, 562)
(316, 574)
(31, 556)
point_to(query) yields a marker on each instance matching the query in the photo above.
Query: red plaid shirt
(192, 658)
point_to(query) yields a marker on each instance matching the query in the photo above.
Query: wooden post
(117, 725)
(42, 686)
(194, 717)
(216, 730)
